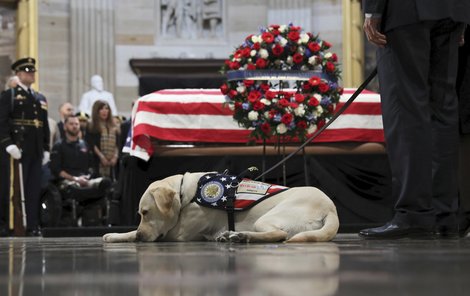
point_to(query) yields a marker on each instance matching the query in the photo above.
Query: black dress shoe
(393, 230)
(447, 231)
(464, 227)
(34, 232)
(4, 232)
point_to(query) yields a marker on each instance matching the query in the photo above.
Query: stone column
(92, 45)
(283, 12)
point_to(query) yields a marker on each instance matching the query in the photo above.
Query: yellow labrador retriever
(168, 213)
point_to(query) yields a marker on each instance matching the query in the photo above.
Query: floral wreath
(282, 52)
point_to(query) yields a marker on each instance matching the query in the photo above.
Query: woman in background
(102, 136)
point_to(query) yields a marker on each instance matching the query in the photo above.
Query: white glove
(46, 157)
(14, 151)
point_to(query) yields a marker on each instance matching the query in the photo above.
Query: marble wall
(70, 49)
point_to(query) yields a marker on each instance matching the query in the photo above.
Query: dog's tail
(324, 234)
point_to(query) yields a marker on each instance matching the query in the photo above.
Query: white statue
(96, 93)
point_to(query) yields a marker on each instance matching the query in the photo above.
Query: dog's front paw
(232, 236)
(238, 237)
(110, 237)
(223, 237)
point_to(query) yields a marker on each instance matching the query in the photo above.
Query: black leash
(318, 132)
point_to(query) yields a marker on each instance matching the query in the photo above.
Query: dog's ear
(163, 197)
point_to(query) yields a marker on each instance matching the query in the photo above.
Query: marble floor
(346, 266)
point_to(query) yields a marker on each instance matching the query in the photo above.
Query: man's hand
(82, 180)
(14, 151)
(371, 28)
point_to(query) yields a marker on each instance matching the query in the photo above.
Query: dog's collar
(181, 190)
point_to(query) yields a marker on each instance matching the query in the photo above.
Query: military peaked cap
(24, 64)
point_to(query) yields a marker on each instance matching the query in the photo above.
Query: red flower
(306, 86)
(294, 105)
(287, 118)
(270, 95)
(258, 106)
(261, 63)
(278, 50)
(323, 87)
(330, 67)
(326, 45)
(301, 124)
(266, 128)
(224, 88)
(267, 37)
(293, 36)
(256, 46)
(298, 58)
(313, 102)
(234, 65)
(314, 47)
(334, 57)
(314, 81)
(251, 66)
(253, 96)
(275, 32)
(283, 103)
(246, 52)
(340, 90)
(299, 98)
(248, 83)
(232, 93)
(264, 87)
(272, 113)
(320, 123)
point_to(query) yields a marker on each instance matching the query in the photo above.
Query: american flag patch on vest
(215, 189)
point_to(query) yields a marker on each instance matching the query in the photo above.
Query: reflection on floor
(346, 266)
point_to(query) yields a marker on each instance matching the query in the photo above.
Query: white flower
(328, 55)
(281, 128)
(300, 110)
(252, 52)
(263, 53)
(241, 89)
(317, 96)
(319, 110)
(256, 39)
(282, 28)
(312, 128)
(304, 38)
(290, 60)
(282, 41)
(253, 115)
(313, 60)
(265, 101)
(301, 50)
(266, 114)
(277, 62)
(274, 101)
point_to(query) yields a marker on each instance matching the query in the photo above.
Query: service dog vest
(217, 190)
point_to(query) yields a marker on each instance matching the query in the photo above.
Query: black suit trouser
(417, 72)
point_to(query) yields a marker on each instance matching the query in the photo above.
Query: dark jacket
(23, 121)
(75, 158)
(404, 12)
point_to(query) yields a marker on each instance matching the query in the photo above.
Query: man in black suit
(417, 64)
(24, 134)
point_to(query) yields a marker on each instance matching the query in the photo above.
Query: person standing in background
(417, 65)
(11, 82)
(24, 134)
(463, 91)
(103, 138)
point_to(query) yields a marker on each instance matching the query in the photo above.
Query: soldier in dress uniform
(24, 135)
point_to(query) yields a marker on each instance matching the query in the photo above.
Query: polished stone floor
(346, 266)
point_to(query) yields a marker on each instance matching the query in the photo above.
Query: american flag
(198, 116)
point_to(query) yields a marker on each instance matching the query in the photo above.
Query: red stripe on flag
(241, 136)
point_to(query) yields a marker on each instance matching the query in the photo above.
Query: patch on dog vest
(214, 190)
